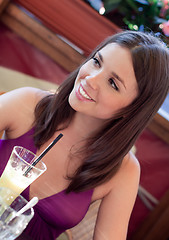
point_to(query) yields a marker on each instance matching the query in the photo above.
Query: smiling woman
(108, 83)
(101, 109)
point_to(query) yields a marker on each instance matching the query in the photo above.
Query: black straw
(44, 153)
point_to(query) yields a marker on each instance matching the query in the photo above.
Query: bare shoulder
(130, 163)
(17, 107)
(24, 93)
(127, 175)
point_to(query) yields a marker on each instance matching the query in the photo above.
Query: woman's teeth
(82, 92)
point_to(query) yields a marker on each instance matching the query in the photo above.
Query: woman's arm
(17, 109)
(116, 206)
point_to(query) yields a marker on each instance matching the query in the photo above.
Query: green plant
(143, 14)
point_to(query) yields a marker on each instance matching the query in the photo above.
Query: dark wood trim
(74, 19)
(41, 37)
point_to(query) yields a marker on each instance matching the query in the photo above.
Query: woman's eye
(96, 61)
(113, 84)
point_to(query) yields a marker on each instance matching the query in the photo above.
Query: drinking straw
(44, 153)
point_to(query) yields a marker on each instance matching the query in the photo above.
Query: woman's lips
(82, 94)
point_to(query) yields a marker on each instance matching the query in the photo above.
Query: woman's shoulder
(129, 171)
(17, 109)
(128, 174)
(130, 162)
(25, 93)
(31, 93)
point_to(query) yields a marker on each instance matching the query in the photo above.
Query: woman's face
(105, 84)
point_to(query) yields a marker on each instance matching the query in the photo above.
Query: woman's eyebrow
(113, 73)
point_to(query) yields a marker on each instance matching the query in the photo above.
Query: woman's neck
(84, 125)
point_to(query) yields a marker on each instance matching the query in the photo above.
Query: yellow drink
(13, 175)
(14, 179)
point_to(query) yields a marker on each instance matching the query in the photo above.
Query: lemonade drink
(13, 176)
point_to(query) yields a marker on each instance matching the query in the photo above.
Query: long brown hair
(105, 150)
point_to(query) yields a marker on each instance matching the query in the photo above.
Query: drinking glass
(11, 225)
(14, 176)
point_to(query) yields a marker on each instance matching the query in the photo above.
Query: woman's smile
(82, 94)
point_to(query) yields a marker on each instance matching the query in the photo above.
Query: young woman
(100, 109)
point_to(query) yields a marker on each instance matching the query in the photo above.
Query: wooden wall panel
(73, 19)
(41, 37)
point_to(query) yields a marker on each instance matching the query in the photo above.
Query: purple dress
(54, 214)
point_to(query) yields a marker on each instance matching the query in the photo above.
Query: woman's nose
(92, 80)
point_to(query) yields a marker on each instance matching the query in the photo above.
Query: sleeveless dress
(54, 214)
